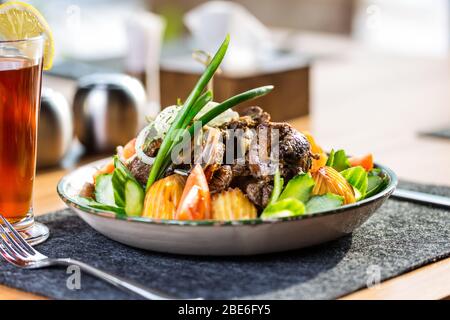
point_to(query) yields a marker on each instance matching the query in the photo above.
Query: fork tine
(6, 251)
(7, 256)
(12, 244)
(17, 235)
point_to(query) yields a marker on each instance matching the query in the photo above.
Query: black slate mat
(400, 237)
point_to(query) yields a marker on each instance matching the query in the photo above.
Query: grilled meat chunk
(213, 149)
(240, 170)
(88, 190)
(152, 148)
(250, 118)
(260, 147)
(256, 114)
(292, 148)
(139, 170)
(221, 179)
(244, 122)
(259, 192)
(266, 144)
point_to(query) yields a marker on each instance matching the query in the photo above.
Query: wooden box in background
(289, 99)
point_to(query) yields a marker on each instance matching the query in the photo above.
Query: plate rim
(70, 202)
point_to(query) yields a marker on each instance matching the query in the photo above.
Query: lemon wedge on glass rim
(20, 20)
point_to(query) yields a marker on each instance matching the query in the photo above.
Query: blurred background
(363, 75)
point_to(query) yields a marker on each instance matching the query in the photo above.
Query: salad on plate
(201, 160)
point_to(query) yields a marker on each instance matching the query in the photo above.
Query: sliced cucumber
(104, 192)
(97, 205)
(125, 193)
(119, 166)
(134, 198)
(118, 182)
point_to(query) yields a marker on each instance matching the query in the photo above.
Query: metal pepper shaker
(55, 129)
(108, 110)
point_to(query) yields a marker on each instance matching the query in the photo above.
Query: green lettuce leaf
(284, 208)
(324, 202)
(299, 188)
(338, 160)
(377, 181)
(97, 205)
(357, 177)
(278, 183)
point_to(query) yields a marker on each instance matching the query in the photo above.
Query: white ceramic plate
(244, 237)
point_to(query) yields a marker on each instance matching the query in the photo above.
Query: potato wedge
(329, 180)
(163, 197)
(232, 204)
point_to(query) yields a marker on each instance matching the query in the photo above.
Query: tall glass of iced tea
(20, 90)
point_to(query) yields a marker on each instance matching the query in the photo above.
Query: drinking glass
(20, 93)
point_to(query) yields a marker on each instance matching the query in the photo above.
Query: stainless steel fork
(18, 252)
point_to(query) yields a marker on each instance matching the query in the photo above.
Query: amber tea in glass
(20, 90)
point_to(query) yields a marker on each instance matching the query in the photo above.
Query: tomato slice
(130, 149)
(195, 203)
(316, 149)
(107, 168)
(365, 161)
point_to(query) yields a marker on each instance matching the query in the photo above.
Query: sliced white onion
(139, 143)
(164, 120)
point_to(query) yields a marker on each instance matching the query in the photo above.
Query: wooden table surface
(362, 101)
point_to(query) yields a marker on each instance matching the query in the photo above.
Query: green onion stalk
(178, 136)
(180, 119)
(191, 107)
